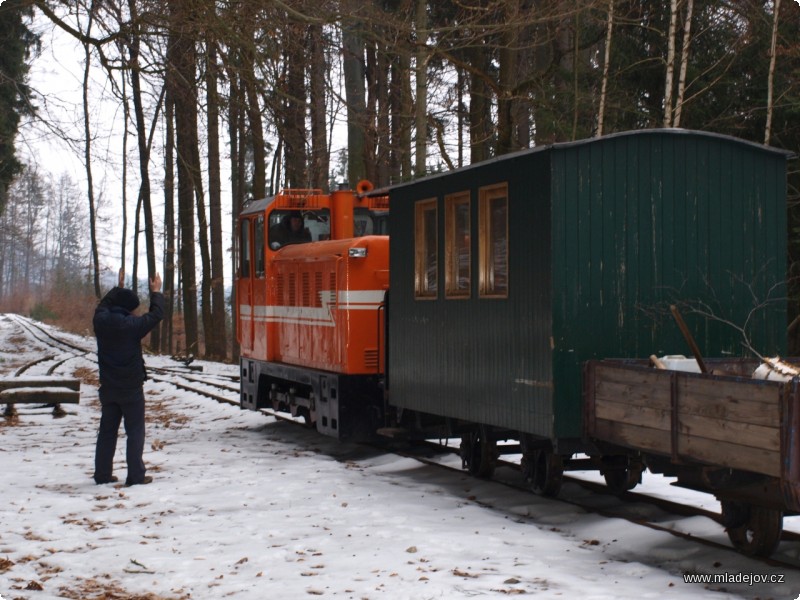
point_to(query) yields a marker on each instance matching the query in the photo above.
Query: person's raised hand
(155, 283)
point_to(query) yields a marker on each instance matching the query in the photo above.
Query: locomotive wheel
(623, 479)
(760, 535)
(479, 452)
(549, 473)
(306, 415)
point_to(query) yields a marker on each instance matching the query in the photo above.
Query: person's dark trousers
(118, 405)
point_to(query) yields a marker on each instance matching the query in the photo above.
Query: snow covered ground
(246, 507)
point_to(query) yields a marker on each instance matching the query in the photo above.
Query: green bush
(42, 312)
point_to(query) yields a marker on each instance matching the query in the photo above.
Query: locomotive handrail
(299, 198)
(378, 202)
(380, 314)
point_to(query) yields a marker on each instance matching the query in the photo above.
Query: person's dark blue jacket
(119, 334)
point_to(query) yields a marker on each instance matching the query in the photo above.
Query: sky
(246, 507)
(56, 78)
(53, 141)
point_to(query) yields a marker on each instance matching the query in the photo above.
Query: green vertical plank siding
(603, 235)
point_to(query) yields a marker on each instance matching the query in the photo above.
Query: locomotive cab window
(287, 226)
(457, 275)
(244, 249)
(258, 246)
(370, 222)
(493, 243)
(426, 257)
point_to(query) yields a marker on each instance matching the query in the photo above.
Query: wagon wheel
(479, 452)
(549, 473)
(528, 464)
(760, 533)
(623, 479)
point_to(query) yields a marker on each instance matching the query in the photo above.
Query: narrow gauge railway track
(193, 384)
(421, 452)
(39, 361)
(50, 362)
(669, 507)
(226, 392)
(41, 334)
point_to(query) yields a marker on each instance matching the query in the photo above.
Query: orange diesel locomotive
(311, 287)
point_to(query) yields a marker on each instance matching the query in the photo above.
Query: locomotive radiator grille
(306, 292)
(317, 289)
(371, 358)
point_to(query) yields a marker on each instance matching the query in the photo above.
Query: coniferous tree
(17, 43)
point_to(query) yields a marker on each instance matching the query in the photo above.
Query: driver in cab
(290, 230)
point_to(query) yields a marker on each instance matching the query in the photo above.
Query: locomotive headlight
(357, 252)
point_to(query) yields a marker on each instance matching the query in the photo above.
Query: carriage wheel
(479, 452)
(760, 533)
(623, 479)
(549, 473)
(529, 464)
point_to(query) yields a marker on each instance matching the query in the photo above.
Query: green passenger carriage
(508, 277)
(599, 235)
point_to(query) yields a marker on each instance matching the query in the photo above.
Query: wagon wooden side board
(727, 434)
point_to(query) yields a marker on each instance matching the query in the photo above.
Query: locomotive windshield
(287, 226)
(298, 227)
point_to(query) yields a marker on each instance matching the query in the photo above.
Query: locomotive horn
(364, 186)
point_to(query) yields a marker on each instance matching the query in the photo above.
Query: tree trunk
(319, 132)
(294, 124)
(236, 132)
(215, 339)
(461, 117)
(181, 73)
(137, 216)
(88, 160)
(248, 78)
(687, 39)
(383, 118)
(144, 160)
(668, 80)
(202, 237)
(356, 105)
(167, 342)
(480, 123)
(508, 77)
(401, 107)
(771, 73)
(421, 100)
(601, 111)
(126, 109)
(370, 117)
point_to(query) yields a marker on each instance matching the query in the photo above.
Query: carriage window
(457, 247)
(244, 249)
(258, 246)
(426, 263)
(493, 225)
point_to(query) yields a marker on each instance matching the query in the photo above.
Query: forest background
(225, 100)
